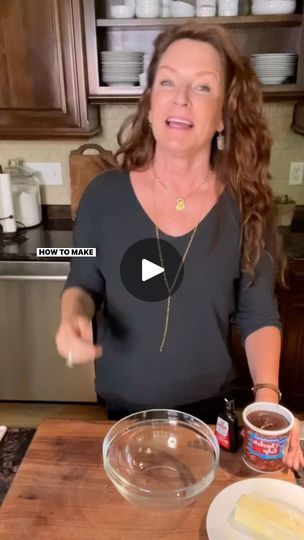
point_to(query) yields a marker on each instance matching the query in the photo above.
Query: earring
(220, 141)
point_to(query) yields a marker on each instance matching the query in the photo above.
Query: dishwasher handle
(26, 277)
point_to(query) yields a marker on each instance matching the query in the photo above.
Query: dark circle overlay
(154, 289)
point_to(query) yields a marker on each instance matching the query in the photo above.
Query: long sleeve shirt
(195, 363)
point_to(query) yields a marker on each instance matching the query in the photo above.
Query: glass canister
(26, 194)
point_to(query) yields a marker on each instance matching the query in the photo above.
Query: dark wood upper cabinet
(43, 83)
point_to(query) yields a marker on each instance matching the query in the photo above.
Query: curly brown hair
(243, 165)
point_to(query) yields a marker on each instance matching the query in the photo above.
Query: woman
(194, 172)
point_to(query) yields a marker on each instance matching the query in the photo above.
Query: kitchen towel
(7, 219)
(12, 450)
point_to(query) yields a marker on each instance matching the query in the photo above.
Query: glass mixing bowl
(161, 459)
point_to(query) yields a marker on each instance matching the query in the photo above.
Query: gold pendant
(180, 204)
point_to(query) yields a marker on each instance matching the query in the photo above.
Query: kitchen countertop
(61, 491)
(58, 233)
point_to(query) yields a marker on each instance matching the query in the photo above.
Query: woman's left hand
(294, 457)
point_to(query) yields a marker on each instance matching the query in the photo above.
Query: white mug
(228, 8)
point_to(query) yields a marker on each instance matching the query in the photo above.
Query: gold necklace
(170, 289)
(180, 202)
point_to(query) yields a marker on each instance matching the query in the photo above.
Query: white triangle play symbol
(149, 270)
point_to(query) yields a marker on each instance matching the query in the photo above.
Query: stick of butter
(269, 519)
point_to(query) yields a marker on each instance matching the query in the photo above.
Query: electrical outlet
(296, 173)
(48, 174)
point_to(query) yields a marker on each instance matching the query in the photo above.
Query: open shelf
(233, 22)
(254, 34)
(132, 93)
(283, 90)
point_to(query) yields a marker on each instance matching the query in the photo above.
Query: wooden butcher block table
(61, 492)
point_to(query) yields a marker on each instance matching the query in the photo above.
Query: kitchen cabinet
(254, 34)
(291, 306)
(43, 84)
(292, 365)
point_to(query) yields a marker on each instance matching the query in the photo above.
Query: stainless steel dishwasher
(30, 368)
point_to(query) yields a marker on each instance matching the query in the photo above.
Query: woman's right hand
(74, 340)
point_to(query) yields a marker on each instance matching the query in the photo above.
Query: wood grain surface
(61, 492)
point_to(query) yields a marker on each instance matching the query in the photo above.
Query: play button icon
(151, 271)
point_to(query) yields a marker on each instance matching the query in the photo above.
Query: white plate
(122, 70)
(120, 80)
(274, 55)
(219, 526)
(120, 63)
(275, 72)
(273, 62)
(122, 54)
(272, 66)
(121, 85)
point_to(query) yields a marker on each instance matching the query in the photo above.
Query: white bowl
(273, 7)
(122, 12)
(272, 80)
(182, 9)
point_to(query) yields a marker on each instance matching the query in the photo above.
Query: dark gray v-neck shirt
(195, 362)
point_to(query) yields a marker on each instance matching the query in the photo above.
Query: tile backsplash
(287, 146)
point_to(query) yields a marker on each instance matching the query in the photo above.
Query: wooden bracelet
(257, 387)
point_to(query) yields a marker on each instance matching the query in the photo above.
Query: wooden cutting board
(61, 492)
(84, 167)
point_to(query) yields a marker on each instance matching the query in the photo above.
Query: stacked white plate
(274, 68)
(121, 68)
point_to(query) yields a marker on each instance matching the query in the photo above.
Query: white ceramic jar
(205, 8)
(147, 9)
(228, 8)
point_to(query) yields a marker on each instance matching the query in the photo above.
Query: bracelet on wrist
(270, 386)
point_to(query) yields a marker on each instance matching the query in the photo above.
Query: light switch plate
(48, 174)
(296, 173)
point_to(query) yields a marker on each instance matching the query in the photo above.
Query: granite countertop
(58, 233)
